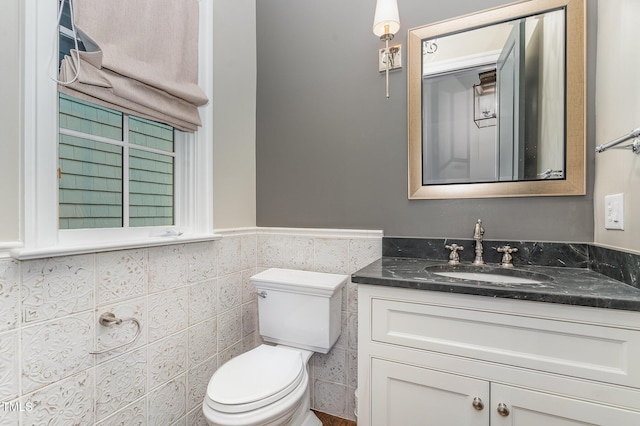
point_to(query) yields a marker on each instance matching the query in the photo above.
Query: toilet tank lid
(306, 281)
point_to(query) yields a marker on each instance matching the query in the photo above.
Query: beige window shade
(142, 59)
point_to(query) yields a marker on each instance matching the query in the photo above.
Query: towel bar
(108, 319)
(635, 146)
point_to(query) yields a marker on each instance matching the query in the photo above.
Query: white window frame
(39, 183)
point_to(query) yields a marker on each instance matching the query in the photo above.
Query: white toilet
(269, 385)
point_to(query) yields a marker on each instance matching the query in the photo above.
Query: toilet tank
(300, 308)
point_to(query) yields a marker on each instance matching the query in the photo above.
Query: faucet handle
(454, 257)
(507, 259)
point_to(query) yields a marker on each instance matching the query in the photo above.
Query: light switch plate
(614, 211)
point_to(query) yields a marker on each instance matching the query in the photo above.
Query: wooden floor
(329, 420)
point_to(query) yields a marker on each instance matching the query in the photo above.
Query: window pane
(90, 184)
(92, 169)
(65, 20)
(150, 188)
(88, 118)
(66, 42)
(150, 134)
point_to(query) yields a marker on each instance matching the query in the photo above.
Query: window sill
(69, 250)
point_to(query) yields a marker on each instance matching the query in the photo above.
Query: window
(115, 170)
(141, 161)
(66, 41)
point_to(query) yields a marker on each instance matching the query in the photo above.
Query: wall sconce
(386, 24)
(485, 101)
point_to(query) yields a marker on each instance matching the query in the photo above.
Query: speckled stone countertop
(571, 286)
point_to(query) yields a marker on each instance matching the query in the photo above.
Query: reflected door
(510, 69)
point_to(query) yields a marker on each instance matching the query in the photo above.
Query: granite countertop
(571, 286)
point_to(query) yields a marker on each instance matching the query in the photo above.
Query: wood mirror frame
(575, 133)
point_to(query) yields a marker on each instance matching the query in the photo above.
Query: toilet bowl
(266, 386)
(299, 312)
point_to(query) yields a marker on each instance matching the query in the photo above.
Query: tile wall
(197, 309)
(333, 375)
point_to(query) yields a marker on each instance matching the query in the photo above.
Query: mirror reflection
(494, 102)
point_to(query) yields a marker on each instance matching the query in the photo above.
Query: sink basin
(488, 274)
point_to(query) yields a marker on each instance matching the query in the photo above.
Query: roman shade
(141, 59)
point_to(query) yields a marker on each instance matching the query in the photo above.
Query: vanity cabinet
(404, 394)
(429, 358)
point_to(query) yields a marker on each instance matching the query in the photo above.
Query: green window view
(115, 170)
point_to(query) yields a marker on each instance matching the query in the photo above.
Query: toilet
(298, 314)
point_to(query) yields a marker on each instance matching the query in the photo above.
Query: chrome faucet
(478, 232)
(454, 257)
(507, 258)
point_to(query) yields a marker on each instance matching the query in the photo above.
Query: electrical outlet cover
(614, 211)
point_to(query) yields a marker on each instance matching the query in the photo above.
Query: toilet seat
(255, 379)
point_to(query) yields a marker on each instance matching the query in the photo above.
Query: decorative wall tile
(250, 342)
(229, 328)
(196, 417)
(351, 404)
(185, 292)
(11, 413)
(120, 275)
(203, 341)
(9, 294)
(167, 313)
(352, 297)
(134, 414)
(343, 298)
(66, 402)
(331, 367)
(203, 301)
(202, 259)
(120, 381)
(230, 259)
(167, 359)
(55, 350)
(117, 334)
(9, 366)
(167, 267)
(230, 291)
(331, 255)
(55, 287)
(352, 327)
(248, 288)
(363, 251)
(285, 251)
(231, 352)
(249, 244)
(168, 403)
(180, 422)
(330, 398)
(249, 318)
(199, 377)
(352, 369)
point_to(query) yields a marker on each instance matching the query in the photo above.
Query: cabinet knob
(503, 410)
(477, 403)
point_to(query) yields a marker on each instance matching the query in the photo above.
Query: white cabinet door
(531, 408)
(406, 395)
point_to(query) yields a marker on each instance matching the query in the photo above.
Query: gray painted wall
(332, 151)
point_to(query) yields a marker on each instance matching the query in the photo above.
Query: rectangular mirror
(497, 103)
